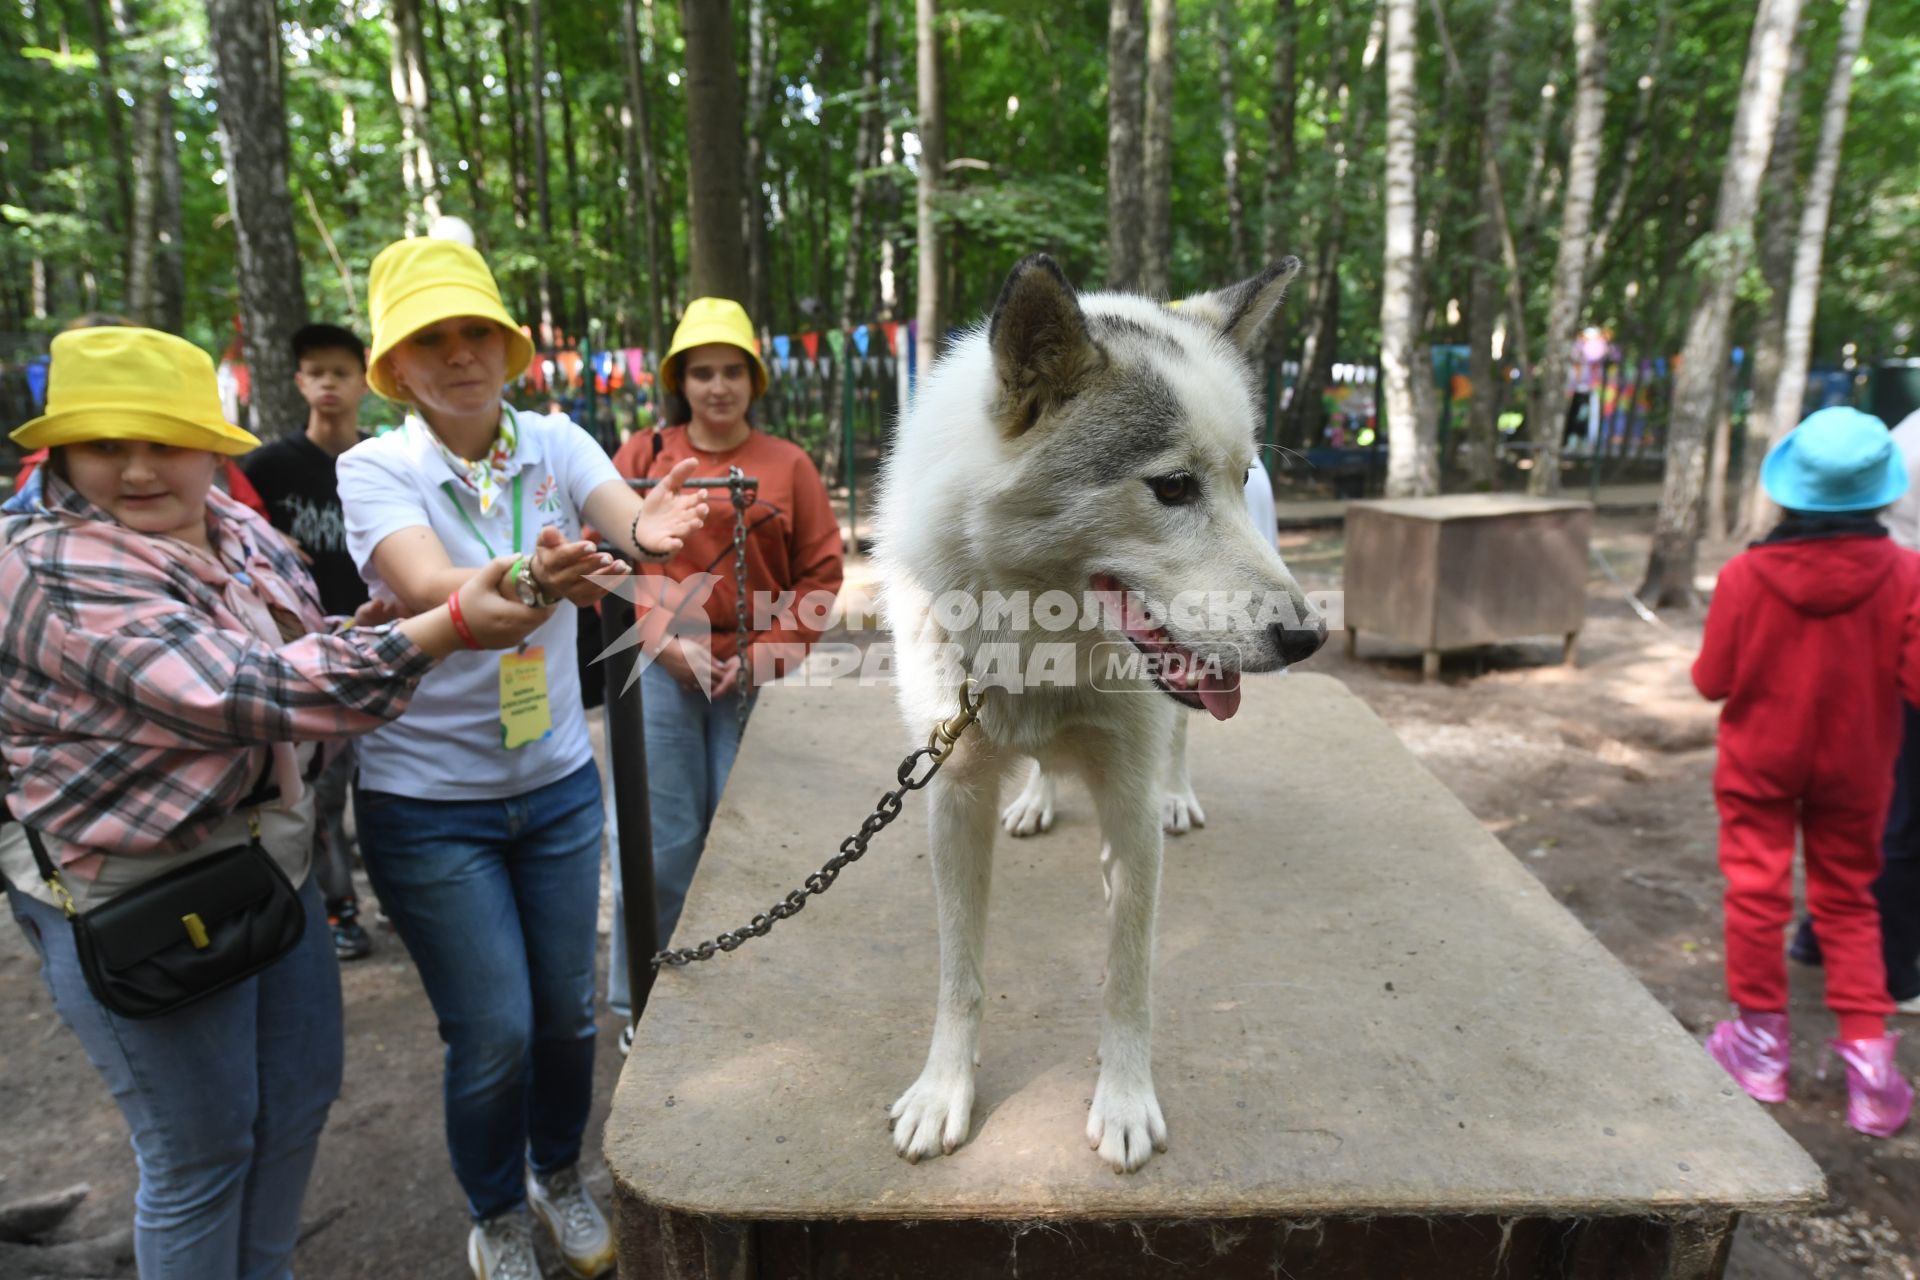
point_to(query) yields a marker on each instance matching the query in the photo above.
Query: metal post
(1593, 442)
(627, 755)
(853, 496)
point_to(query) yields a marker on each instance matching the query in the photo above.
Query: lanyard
(446, 487)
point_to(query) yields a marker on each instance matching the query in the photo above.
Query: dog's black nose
(1301, 642)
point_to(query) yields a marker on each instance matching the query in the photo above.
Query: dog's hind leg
(931, 1117)
(1032, 810)
(1124, 1123)
(1179, 807)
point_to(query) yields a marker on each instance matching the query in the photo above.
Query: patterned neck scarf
(489, 477)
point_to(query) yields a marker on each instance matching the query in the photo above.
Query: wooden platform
(1382, 1048)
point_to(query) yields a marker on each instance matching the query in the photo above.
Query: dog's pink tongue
(1220, 695)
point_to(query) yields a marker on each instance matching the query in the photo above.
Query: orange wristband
(460, 627)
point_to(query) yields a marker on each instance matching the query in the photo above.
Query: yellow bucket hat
(123, 383)
(713, 320)
(415, 283)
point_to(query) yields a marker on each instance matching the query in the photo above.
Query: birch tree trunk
(1277, 231)
(1126, 211)
(466, 123)
(866, 155)
(1483, 292)
(108, 32)
(641, 171)
(573, 197)
(1412, 467)
(516, 112)
(1157, 151)
(1778, 213)
(1809, 245)
(1223, 41)
(1676, 535)
(759, 299)
(1547, 389)
(245, 39)
(716, 154)
(168, 305)
(930, 315)
(407, 77)
(553, 304)
(1316, 349)
(143, 227)
(1628, 164)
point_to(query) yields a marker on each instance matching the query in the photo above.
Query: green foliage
(1026, 111)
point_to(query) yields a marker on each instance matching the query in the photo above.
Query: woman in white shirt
(479, 810)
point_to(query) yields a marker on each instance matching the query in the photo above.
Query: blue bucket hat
(1837, 460)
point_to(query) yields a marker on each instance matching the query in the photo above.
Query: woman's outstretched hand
(565, 570)
(669, 511)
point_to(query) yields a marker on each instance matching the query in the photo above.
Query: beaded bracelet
(651, 557)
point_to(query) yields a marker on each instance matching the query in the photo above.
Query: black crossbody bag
(182, 936)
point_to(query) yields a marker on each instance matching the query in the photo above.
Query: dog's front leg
(931, 1118)
(1179, 807)
(1124, 1123)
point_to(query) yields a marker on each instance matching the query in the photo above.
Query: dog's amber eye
(1175, 490)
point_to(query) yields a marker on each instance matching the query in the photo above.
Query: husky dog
(1076, 448)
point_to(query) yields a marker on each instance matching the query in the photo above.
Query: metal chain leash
(940, 744)
(743, 497)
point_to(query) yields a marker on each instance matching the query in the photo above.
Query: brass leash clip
(947, 732)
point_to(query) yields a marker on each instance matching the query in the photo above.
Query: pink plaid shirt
(137, 706)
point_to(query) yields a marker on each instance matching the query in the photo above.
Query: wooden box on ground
(1449, 573)
(1383, 1049)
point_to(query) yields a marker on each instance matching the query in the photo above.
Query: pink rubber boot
(1754, 1050)
(1878, 1096)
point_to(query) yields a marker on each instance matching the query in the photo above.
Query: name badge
(525, 714)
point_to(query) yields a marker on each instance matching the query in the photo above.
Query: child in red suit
(1812, 638)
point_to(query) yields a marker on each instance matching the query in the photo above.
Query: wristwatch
(529, 592)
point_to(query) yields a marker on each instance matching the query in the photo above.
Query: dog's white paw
(1124, 1124)
(932, 1117)
(1180, 811)
(1032, 811)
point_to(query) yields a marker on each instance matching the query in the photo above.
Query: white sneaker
(626, 1034)
(578, 1228)
(1910, 1005)
(501, 1248)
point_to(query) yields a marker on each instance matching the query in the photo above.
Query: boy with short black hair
(295, 477)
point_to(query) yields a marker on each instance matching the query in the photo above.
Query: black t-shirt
(296, 479)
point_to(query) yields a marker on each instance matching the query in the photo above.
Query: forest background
(1490, 175)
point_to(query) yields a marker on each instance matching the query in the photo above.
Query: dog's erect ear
(1042, 352)
(1242, 311)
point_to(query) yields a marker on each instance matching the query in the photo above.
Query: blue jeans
(691, 743)
(226, 1099)
(496, 901)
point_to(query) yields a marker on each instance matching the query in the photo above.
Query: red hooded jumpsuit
(1812, 643)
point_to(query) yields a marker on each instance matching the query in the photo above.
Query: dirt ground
(1595, 776)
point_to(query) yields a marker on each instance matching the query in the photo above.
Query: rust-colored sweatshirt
(793, 539)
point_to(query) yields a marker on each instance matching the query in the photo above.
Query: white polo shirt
(447, 745)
